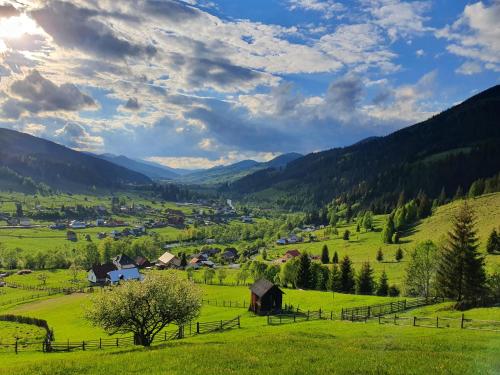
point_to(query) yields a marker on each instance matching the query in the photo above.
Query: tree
(91, 255)
(442, 197)
(493, 244)
(335, 258)
(364, 282)
(75, 273)
(106, 250)
(264, 254)
(399, 255)
(380, 255)
(221, 274)
(476, 189)
(368, 221)
(424, 206)
(357, 228)
(208, 275)
(42, 278)
(459, 194)
(394, 291)
(421, 270)
(461, 274)
(388, 231)
(347, 282)
(334, 279)
(289, 272)
(346, 235)
(158, 301)
(325, 256)
(243, 276)
(304, 277)
(183, 260)
(383, 285)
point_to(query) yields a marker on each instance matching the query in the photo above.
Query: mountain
(25, 158)
(152, 170)
(228, 173)
(451, 149)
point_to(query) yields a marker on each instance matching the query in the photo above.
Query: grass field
(320, 347)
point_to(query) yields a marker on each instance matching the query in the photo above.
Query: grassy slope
(312, 348)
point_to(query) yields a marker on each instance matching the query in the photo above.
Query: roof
(123, 259)
(124, 274)
(293, 253)
(140, 260)
(167, 258)
(262, 286)
(101, 270)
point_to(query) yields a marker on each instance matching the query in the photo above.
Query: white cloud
(328, 8)
(469, 68)
(476, 34)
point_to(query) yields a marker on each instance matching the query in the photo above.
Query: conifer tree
(380, 255)
(442, 197)
(304, 272)
(334, 281)
(399, 255)
(383, 285)
(388, 231)
(459, 193)
(325, 256)
(364, 282)
(183, 260)
(335, 258)
(346, 235)
(460, 273)
(368, 220)
(347, 282)
(493, 244)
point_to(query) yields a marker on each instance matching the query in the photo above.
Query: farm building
(122, 261)
(126, 274)
(98, 273)
(142, 262)
(168, 260)
(265, 297)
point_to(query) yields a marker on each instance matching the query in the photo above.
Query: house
(290, 254)
(126, 274)
(142, 262)
(123, 261)
(99, 223)
(58, 226)
(168, 260)
(71, 236)
(75, 224)
(25, 222)
(282, 241)
(230, 254)
(265, 297)
(98, 273)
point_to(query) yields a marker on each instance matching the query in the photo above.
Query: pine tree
(364, 282)
(357, 228)
(460, 273)
(325, 256)
(183, 260)
(334, 281)
(335, 258)
(304, 272)
(399, 255)
(424, 206)
(493, 244)
(368, 220)
(383, 285)
(380, 255)
(388, 231)
(459, 193)
(346, 276)
(476, 189)
(346, 235)
(442, 197)
(401, 199)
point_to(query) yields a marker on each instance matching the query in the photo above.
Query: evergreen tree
(183, 260)
(442, 197)
(357, 228)
(399, 255)
(401, 199)
(460, 273)
(493, 244)
(304, 272)
(347, 282)
(394, 291)
(476, 189)
(346, 235)
(325, 256)
(335, 258)
(459, 194)
(380, 255)
(334, 281)
(388, 231)
(368, 220)
(383, 285)
(424, 206)
(364, 282)
(396, 237)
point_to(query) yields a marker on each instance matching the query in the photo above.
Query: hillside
(148, 169)
(57, 166)
(229, 173)
(451, 149)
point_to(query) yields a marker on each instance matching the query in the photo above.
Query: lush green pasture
(24, 332)
(55, 279)
(319, 347)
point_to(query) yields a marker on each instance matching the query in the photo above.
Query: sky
(199, 83)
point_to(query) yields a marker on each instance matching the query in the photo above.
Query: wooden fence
(297, 315)
(222, 303)
(180, 332)
(442, 322)
(49, 290)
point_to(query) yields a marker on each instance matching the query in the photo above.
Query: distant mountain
(24, 157)
(228, 173)
(449, 150)
(152, 170)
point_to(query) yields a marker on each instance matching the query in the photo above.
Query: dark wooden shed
(265, 298)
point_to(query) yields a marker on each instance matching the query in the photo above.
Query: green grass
(57, 278)
(25, 333)
(312, 347)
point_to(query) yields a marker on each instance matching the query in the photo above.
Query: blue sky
(197, 83)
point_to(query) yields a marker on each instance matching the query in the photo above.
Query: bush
(394, 291)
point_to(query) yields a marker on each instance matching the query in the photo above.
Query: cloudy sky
(197, 83)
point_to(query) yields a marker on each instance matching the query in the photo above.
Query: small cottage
(126, 274)
(123, 261)
(265, 297)
(99, 272)
(168, 260)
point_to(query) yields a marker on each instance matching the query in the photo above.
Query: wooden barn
(265, 298)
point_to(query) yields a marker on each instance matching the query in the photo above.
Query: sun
(15, 28)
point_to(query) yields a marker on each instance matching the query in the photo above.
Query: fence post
(239, 326)
(414, 321)
(294, 317)
(117, 342)
(83, 345)
(280, 318)
(342, 314)
(197, 327)
(16, 344)
(331, 315)
(221, 325)
(437, 321)
(320, 313)
(395, 317)
(165, 336)
(462, 322)
(379, 320)
(100, 343)
(405, 304)
(369, 310)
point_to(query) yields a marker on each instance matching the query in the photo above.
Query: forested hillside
(26, 161)
(447, 151)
